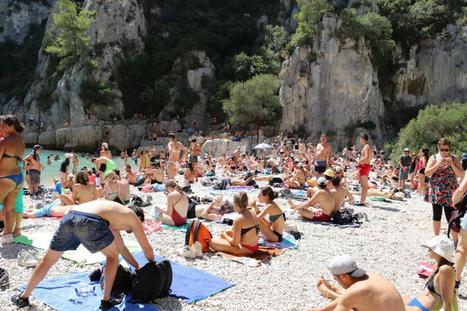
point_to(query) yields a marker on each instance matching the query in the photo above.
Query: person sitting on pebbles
(360, 290)
(243, 238)
(177, 205)
(439, 292)
(273, 228)
(322, 198)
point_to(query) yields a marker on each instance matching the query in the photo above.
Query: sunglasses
(444, 150)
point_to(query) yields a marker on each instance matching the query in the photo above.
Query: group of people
(92, 203)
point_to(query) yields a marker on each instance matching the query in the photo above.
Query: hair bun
(275, 195)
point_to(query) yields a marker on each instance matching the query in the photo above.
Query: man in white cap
(322, 198)
(361, 291)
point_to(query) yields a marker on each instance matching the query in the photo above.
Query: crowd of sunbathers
(93, 200)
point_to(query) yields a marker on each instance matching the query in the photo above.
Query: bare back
(13, 146)
(325, 200)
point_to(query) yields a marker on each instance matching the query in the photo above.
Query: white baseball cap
(344, 264)
(322, 181)
(442, 246)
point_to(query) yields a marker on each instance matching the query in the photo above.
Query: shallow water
(51, 171)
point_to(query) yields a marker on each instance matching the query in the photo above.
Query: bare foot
(291, 203)
(16, 232)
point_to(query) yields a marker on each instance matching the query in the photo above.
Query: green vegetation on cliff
(73, 39)
(431, 124)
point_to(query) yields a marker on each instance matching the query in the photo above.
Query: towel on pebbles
(264, 254)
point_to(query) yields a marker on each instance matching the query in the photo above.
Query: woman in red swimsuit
(177, 205)
(243, 238)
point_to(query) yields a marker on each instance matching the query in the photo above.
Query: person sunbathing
(213, 211)
(298, 179)
(439, 291)
(273, 228)
(177, 205)
(82, 191)
(243, 238)
(322, 198)
(360, 290)
(50, 210)
(96, 225)
(340, 194)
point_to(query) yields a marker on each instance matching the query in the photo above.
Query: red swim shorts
(320, 216)
(364, 169)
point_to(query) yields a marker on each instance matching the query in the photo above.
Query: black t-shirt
(464, 163)
(406, 160)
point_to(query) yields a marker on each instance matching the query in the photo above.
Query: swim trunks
(82, 228)
(320, 166)
(320, 216)
(34, 177)
(364, 169)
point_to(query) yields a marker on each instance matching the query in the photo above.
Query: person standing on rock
(364, 166)
(35, 168)
(443, 168)
(322, 155)
(177, 154)
(361, 291)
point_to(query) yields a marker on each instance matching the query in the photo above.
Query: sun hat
(37, 147)
(344, 264)
(312, 182)
(329, 173)
(322, 181)
(406, 150)
(442, 246)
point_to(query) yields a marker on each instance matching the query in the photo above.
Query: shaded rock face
(435, 72)
(16, 17)
(330, 86)
(117, 25)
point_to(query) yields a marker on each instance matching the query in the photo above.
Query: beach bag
(342, 217)
(457, 214)
(275, 180)
(197, 231)
(152, 281)
(122, 282)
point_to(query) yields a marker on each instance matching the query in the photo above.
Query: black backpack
(151, 281)
(342, 217)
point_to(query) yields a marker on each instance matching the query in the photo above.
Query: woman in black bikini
(243, 238)
(439, 291)
(273, 228)
(11, 178)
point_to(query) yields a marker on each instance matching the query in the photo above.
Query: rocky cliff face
(17, 16)
(330, 86)
(333, 85)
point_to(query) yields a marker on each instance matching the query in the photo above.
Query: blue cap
(464, 154)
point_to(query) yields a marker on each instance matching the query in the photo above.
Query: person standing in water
(35, 168)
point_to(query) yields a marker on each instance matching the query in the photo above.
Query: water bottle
(155, 212)
(84, 290)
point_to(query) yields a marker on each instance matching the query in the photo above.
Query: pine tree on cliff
(72, 24)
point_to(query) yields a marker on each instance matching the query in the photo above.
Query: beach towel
(188, 283)
(60, 294)
(80, 256)
(325, 223)
(152, 225)
(425, 269)
(264, 254)
(179, 228)
(239, 188)
(288, 241)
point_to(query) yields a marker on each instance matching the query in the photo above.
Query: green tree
(254, 100)
(72, 40)
(311, 13)
(431, 124)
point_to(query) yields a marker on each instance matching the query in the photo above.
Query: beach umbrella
(263, 146)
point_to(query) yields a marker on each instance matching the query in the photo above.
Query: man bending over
(96, 225)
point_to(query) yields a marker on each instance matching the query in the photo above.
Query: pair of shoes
(20, 302)
(191, 252)
(197, 248)
(7, 239)
(28, 258)
(107, 304)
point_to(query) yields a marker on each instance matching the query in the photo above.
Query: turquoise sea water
(51, 171)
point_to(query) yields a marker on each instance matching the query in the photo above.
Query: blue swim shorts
(82, 228)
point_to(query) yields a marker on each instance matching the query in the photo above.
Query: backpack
(122, 282)
(342, 217)
(151, 281)
(197, 231)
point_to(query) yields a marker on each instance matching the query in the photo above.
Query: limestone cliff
(330, 86)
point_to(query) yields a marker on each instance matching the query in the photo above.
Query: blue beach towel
(60, 294)
(288, 241)
(188, 283)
